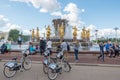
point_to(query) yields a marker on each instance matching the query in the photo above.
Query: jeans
(101, 55)
(76, 54)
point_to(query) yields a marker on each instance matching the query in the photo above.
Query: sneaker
(76, 61)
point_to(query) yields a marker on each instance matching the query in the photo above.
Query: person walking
(49, 45)
(41, 46)
(76, 50)
(20, 41)
(64, 49)
(101, 45)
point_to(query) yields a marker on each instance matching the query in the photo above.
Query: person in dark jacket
(3, 48)
(42, 45)
(101, 45)
(116, 49)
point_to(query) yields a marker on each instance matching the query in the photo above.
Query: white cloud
(56, 14)
(71, 13)
(6, 26)
(43, 5)
(106, 32)
(83, 10)
(3, 21)
(43, 10)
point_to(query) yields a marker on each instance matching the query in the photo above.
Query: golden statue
(61, 31)
(85, 34)
(48, 32)
(88, 34)
(37, 34)
(75, 31)
(33, 34)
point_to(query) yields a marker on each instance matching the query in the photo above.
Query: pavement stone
(77, 73)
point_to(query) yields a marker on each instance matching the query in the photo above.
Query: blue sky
(29, 14)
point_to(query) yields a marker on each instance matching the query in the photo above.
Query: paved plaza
(87, 68)
(77, 73)
(83, 58)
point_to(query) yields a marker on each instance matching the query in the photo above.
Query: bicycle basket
(53, 66)
(10, 64)
(25, 52)
(45, 62)
(60, 55)
(46, 53)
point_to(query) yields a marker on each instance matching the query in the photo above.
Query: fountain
(63, 31)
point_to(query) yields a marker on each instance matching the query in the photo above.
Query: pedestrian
(108, 47)
(76, 50)
(49, 45)
(68, 46)
(64, 49)
(20, 40)
(3, 48)
(101, 45)
(41, 46)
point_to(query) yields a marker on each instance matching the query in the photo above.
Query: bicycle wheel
(52, 74)
(45, 68)
(66, 66)
(9, 72)
(27, 63)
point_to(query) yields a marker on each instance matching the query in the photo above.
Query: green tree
(25, 38)
(13, 35)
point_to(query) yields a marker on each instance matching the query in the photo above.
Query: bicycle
(56, 67)
(11, 67)
(48, 62)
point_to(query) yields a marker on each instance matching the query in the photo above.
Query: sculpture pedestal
(74, 38)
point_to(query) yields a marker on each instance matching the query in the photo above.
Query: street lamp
(96, 34)
(30, 36)
(116, 32)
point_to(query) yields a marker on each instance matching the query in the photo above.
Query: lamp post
(96, 34)
(116, 32)
(30, 35)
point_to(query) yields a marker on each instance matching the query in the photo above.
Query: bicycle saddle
(15, 58)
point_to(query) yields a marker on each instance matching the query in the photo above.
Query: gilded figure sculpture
(33, 32)
(85, 34)
(48, 33)
(37, 34)
(88, 34)
(61, 31)
(75, 31)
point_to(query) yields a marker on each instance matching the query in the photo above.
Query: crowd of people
(112, 49)
(47, 44)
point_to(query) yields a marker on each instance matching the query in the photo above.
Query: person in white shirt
(49, 45)
(64, 48)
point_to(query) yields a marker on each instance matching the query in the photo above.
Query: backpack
(68, 47)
